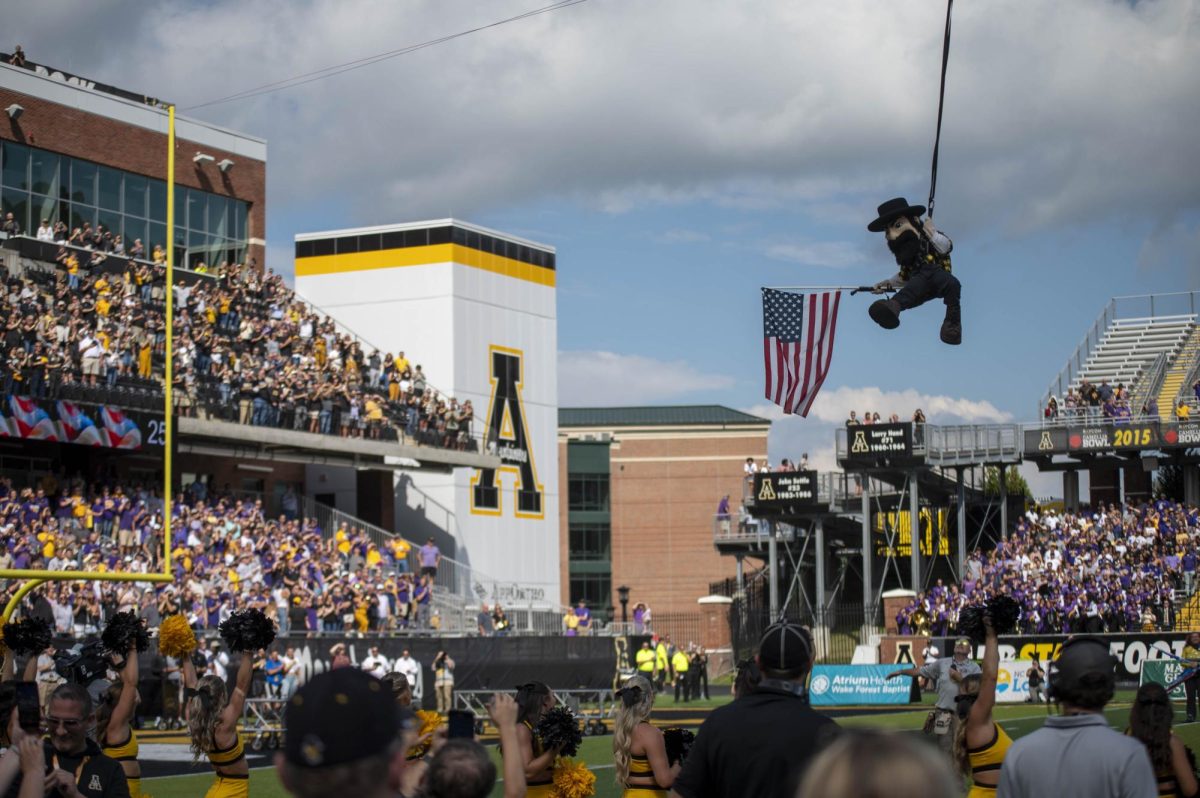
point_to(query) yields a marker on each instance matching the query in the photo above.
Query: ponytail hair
(637, 699)
(968, 691)
(204, 707)
(1150, 723)
(530, 697)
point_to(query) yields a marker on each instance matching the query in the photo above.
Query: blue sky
(682, 153)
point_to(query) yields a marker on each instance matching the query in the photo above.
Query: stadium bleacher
(88, 325)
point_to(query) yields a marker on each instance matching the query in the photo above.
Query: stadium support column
(822, 629)
(1071, 491)
(1003, 501)
(914, 531)
(773, 564)
(962, 524)
(1191, 484)
(868, 615)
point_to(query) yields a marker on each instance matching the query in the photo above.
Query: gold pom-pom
(573, 779)
(430, 721)
(175, 637)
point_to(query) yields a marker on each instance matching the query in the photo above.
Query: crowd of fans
(1104, 402)
(226, 554)
(246, 348)
(1093, 571)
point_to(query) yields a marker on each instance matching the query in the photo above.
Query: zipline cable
(337, 69)
(941, 103)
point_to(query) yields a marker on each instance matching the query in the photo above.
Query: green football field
(1017, 720)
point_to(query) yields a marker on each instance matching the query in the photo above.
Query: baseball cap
(785, 646)
(1084, 673)
(341, 716)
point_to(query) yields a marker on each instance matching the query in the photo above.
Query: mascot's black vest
(927, 256)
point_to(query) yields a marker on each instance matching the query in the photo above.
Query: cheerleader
(212, 719)
(533, 700)
(639, 751)
(113, 715)
(1150, 721)
(980, 744)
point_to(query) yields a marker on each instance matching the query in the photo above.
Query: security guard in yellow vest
(679, 664)
(645, 661)
(661, 664)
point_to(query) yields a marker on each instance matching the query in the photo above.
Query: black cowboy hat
(892, 209)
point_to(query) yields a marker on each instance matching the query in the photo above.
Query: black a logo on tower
(508, 437)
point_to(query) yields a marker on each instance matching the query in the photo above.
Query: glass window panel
(134, 228)
(135, 195)
(242, 231)
(42, 208)
(197, 202)
(158, 237)
(83, 182)
(109, 220)
(158, 200)
(44, 172)
(16, 202)
(110, 189)
(587, 492)
(180, 206)
(81, 214)
(218, 213)
(16, 165)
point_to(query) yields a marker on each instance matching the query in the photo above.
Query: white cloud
(792, 436)
(600, 379)
(1069, 111)
(830, 254)
(681, 236)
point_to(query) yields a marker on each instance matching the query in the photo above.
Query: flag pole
(814, 287)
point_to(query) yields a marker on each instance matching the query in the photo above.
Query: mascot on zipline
(923, 254)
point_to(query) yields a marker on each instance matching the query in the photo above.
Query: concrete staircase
(1189, 614)
(1176, 372)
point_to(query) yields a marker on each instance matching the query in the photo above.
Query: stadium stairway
(458, 588)
(1178, 370)
(1189, 614)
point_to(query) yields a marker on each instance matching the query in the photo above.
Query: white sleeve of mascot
(940, 242)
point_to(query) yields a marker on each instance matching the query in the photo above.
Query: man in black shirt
(761, 743)
(78, 769)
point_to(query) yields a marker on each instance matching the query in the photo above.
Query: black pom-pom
(1004, 611)
(247, 630)
(679, 743)
(28, 636)
(125, 630)
(558, 728)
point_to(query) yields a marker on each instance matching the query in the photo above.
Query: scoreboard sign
(1090, 438)
(872, 441)
(785, 489)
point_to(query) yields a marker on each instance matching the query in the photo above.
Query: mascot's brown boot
(952, 326)
(886, 313)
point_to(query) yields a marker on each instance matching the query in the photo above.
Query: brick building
(642, 488)
(80, 151)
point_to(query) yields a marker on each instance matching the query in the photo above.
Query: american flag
(797, 345)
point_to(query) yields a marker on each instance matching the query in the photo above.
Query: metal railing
(459, 589)
(1149, 382)
(989, 442)
(1144, 305)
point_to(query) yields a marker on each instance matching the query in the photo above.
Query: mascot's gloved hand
(883, 287)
